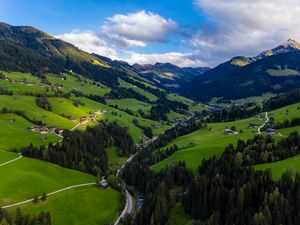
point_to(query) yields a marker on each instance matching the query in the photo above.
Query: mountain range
(276, 70)
(27, 49)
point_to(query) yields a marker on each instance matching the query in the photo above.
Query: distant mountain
(27, 49)
(276, 70)
(163, 75)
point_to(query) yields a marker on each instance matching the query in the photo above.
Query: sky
(183, 32)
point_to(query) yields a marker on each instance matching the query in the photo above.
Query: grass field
(79, 206)
(7, 156)
(28, 105)
(14, 133)
(130, 103)
(287, 112)
(83, 85)
(278, 168)
(206, 142)
(25, 178)
(149, 95)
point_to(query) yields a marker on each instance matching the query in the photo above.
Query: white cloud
(138, 29)
(246, 26)
(177, 58)
(89, 41)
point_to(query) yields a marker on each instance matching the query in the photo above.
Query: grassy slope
(203, 143)
(97, 206)
(27, 104)
(150, 96)
(25, 178)
(130, 103)
(7, 156)
(15, 134)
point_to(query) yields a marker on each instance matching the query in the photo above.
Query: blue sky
(183, 32)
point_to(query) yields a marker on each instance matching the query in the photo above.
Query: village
(59, 131)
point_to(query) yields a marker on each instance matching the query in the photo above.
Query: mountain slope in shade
(276, 70)
(27, 49)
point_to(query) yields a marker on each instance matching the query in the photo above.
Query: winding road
(129, 202)
(267, 120)
(51, 193)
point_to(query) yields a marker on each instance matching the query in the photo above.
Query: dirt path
(49, 194)
(13, 160)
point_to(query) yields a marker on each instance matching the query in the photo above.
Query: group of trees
(122, 92)
(163, 106)
(5, 92)
(85, 150)
(282, 100)
(43, 218)
(287, 123)
(42, 102)
(147, 130)
(231, 113)
(264, 149)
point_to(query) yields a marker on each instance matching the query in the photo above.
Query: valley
(89, 140)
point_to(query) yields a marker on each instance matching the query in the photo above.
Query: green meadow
(206, 142)
(26, 178)
(14, 133)
(79, 206)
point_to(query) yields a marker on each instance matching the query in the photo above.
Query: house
(261, 116)
(103, 183)
(93, 118)
(271, 131)
(84, 120)
(253, 125)
(230, 132)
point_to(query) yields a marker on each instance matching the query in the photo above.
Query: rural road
(13, 160)
(129, 202)
(128, 207)
(51, 193)
(267, 120)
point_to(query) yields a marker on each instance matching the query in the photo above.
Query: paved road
(267, 120)
(13, 160)
(128, 208)
(129, 202)
(51, 193)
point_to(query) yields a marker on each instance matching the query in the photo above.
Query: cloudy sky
(183, 32)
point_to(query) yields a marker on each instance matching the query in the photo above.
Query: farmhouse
(230, 132)
(84, 120)
(271, 131)
(261, 116)
(99, 112)
(253, 125)
(103, 183)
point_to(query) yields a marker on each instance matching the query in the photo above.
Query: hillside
(275, 70)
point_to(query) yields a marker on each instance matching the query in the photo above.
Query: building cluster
(46, 130)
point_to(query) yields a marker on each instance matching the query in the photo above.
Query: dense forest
(230, 113)
(85, 150)
(224, 191)
(282, 100)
